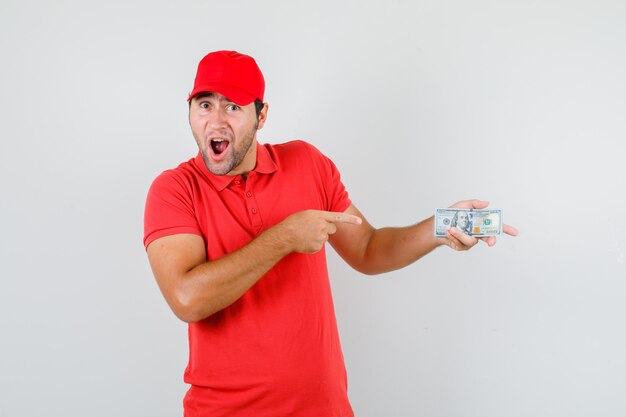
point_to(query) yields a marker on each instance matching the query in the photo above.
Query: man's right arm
(196, 288)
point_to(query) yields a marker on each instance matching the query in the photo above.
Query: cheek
(194, 128)
(194, 123)
(242, 128)
(198, 131)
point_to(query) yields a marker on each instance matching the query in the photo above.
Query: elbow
(188, 308)
(187, 315)
(371, 271)
(367, 268)
(373, 266)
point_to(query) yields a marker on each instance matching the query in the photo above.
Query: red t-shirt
(275, 351)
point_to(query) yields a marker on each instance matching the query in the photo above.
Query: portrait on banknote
(462, 220)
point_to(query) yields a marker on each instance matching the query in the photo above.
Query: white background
(419, 103)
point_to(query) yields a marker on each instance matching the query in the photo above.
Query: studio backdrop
(419, 104)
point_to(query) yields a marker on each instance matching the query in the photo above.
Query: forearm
(216, 284)
(392, 248)
(196, 289)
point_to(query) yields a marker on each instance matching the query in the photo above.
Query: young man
(235, 238)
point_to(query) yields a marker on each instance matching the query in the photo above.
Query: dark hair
(258, 106)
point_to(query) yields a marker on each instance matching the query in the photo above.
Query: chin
(216, 169)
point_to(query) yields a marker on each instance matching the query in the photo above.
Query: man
(235, 238)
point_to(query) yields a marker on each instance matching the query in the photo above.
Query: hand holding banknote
(459, 237)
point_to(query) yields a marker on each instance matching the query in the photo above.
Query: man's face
(225, 133)
(463, 221)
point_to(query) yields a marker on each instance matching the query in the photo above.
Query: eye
(232, 107)
(204, 105)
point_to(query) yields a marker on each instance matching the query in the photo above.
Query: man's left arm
(374, 251)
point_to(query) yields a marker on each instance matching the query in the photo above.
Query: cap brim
(234, 94)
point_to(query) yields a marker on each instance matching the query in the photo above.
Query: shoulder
(297, 152)
(294, 147)
(183, 177)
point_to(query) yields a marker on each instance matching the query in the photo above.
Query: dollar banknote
(474, 222)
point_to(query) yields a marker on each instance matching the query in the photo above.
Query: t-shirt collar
(264, 165)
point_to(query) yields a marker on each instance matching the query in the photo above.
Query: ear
(263, 116)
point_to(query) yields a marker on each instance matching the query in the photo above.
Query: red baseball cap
(233, 75)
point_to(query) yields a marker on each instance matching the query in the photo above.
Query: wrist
(278, 238)
(429, 229)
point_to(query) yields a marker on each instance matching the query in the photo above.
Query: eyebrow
(211, 95)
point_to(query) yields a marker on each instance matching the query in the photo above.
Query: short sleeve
(169, 208)
(337, 198)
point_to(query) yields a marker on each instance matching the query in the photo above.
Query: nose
(217, 119)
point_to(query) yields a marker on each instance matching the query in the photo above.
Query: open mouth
(219, 145)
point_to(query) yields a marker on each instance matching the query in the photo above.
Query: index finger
(337, 217)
